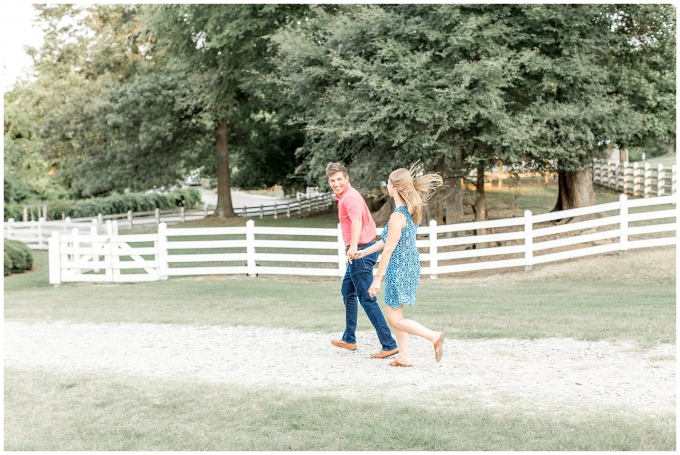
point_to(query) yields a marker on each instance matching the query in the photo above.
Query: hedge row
(116, 203)
(18, 257)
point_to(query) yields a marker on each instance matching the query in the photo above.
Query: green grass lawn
(591, 298)
(87, 411)
(667, 160)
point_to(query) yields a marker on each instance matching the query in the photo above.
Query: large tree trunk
(479, 208)
(383, 214)
(454, 194)
(435, 208)
(575, 189)
(224, 207)
(481, 214)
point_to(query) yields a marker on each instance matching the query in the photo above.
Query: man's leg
(349, 297)
(362, 277)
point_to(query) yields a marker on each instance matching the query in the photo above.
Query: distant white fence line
(36, 234)
(636, 180)
(515, 242)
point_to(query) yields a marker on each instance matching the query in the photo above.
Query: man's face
(338, 182)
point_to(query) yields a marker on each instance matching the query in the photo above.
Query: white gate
(100, 258)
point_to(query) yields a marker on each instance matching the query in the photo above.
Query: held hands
(351, 253)
(356, 255)
(375, 286)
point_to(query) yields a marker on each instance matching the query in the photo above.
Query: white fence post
(342, 257)
(261, 211)
(288, 209)
(528, 241)
(623, 227)
(181, 212)
(67, 221)
(115, 258)
(625, 176)
(158, 216)
(130, 218)
(162, 254)
(10, 226)
(100, 218)
(76, 249)
(674, 179)
(608, 167)
(205, 209)
(95, 256)
(636, 180)
(250, 247)
(54, 259)
(41, 220)
(109, 234)
(648, 180)
(660, 180)
(433, 249)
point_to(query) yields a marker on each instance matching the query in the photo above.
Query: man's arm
(354, 240)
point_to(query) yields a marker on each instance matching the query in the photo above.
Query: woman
(400, 262)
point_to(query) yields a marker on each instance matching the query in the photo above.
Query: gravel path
(547, 370)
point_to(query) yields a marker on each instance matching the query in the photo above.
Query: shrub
(116, 203)
(15, 211)
(18, 257)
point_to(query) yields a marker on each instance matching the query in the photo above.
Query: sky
(17, 31)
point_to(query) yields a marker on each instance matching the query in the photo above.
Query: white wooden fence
(35, 234)
(514, 242)
(636, 180)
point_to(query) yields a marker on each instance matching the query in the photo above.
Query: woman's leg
(395, 318)
(404, 356)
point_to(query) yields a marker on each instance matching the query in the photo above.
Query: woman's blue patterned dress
(403, 271)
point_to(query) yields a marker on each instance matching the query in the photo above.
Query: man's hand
(375, 287)
(359, 254)
(351, 253)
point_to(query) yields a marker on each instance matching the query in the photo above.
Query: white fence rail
(636, 180)
(514, 242)
(36, 234)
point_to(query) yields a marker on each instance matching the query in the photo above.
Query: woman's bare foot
(400, 362)
(438, 345)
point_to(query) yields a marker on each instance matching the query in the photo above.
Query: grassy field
(610, 297)
(667, 160)
(618, 298)
(69, 411)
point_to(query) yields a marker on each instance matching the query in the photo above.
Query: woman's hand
(375, 287)
(358, 255)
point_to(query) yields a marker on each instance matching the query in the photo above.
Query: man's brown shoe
(342, 344)
(382, 354)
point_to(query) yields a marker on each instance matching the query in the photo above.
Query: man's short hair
(334, 168)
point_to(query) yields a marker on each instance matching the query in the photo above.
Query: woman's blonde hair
(414, 191)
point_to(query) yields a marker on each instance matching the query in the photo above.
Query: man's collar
(339, 196)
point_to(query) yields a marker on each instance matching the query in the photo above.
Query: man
(358, 233)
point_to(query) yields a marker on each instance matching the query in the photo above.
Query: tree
(225, 47)
(27, 175)
(595, 76)
(379, 87)
(463, 87)
(109, 112)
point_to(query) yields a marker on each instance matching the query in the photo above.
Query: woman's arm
(397, 223)
(377, 246)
